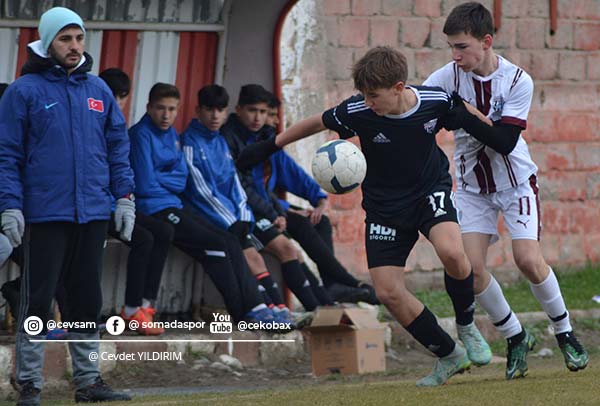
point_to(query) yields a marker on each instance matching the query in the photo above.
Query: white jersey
(504, 96)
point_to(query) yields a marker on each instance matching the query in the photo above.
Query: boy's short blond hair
(380, 68)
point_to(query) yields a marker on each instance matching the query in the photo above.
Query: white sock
(130, 310)
(492, 300)
(549, 296)
(146, 303)
(259, 307)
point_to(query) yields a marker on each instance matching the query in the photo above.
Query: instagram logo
(33, 325)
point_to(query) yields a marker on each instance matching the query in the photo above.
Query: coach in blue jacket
(64, 150)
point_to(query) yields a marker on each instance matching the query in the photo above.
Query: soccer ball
(339, 166)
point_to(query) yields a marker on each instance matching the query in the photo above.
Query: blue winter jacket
(213, 187)
(64, 149)
(158, 165)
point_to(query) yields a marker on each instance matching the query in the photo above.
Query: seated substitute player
(160, 177)
(150, 241)
(213, 188)
(311, 228)
(407, 189)
(495, 173)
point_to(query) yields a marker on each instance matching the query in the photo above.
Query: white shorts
(520, 207)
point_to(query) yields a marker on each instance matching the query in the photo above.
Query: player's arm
(501, 137)
(260, 151)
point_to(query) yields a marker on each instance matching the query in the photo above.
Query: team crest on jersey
(95, 105)
(497, 106)
(430, 125)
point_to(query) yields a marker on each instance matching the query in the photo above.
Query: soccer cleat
(284, 315)
(142, 320)
(149, 311)
(303, 319)
(348, 294)
(444, 368)
(99, 391)
(477, 348)
(29, 395)
(372, 299)
(516, 359)
(576, 357)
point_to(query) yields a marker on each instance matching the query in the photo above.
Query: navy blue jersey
(404, 162)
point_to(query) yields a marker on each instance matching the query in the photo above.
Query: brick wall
(564, 124)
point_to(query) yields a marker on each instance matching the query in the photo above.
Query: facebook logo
(115, 325)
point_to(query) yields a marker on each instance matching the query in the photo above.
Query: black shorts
(265, 231)
(389, 240)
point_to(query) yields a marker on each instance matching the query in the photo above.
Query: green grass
(548, 384)
(578, 288)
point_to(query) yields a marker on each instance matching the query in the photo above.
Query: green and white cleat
(516, 359)
(444, 368)
(576, 357)
(478, 350)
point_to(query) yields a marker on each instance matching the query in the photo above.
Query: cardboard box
(346, 341)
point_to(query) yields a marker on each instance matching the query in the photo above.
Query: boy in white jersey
(494, 172)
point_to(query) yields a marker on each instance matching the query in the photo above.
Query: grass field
(549, 383)
(578, 288)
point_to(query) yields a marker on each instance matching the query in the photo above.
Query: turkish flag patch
(96, 105)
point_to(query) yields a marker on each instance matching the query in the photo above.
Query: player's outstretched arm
(260, 151)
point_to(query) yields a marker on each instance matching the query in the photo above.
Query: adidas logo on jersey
(430, 125)
(439, 212)
(381, 139)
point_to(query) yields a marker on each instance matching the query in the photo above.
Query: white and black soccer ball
(339, 166)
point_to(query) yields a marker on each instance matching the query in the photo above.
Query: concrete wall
(564, 123)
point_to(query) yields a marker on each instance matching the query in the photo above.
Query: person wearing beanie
(57, 112)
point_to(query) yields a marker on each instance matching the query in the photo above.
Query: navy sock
(426, 330)
(266, 281)
(462, 296)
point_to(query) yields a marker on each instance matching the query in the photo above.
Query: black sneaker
(29, 395)
(11, 291)
(372, 299)
(99, 391)
(349, 294)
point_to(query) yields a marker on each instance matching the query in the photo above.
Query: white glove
(125, 218)
(13, 226)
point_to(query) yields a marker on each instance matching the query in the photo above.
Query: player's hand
(13, 226)
(281, 223)
(240, 229)
(255, 153)
(455, 117)
(125, 218)
(317, 213)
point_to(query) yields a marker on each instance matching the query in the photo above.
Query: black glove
(455, 117)
(256, 153)
(240, 229)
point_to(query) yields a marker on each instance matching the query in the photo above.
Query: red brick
(538, 8)
(580, 9)
(587, 36)
(513, 8)
(559, 156)
(531, 33)
(423, 257)
(593, 185)
(55, 361)
(448, 5)
(366, 7)
(496, 256)
(549, 243)
(567, 97)
(584, 217)
(437, 38)
(544, 65)
(339, 63)
(398, 8)
(348, 225)
(540, 127)
(332, 33)
(520, 58)
(347, 201)
(563, 37)
(588, 156)
(571, 249)
(591, 247)
(593, 67)
(429, 60)
(572, 66)
(561, 185)
(384, 31)
(354, 32)
(555, 217)
(336, 7)
(414, 31)
(428, 8)
(506, 36)
(577, 126)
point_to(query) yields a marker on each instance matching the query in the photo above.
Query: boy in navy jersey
(407, 190)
